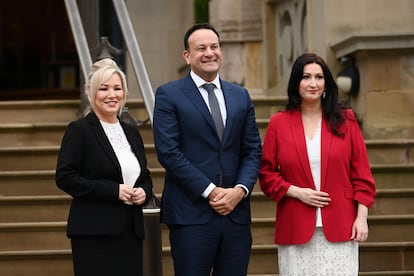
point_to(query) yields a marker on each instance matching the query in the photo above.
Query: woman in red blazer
(315, 166)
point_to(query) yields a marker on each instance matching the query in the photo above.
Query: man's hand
(224, 200)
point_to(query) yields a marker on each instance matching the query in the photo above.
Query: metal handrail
(79, 36)
(135, 55)
(131, 43)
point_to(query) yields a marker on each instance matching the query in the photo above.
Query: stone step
(375, 256)
(393, 175)
(68, 110)
(391, 151)
(26, 183)
(391, 228)
(46, 134)
(42, 123)
(31, 134)
(266, 106)
(386, 258)
(45, 157)
(31, 208)
(36, 262)
(28, 158)
(34, 208)
(32, 235)
(38, 111)
(42, 182)
(393, 201)
(387, 202)
(50, 134)
(388, 228)
(382, 257)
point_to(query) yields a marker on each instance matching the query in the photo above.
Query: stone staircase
(33, 211)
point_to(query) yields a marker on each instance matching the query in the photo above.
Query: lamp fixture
(348, 79)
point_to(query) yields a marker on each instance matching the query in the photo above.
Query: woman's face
(312, 84)
(109, 99)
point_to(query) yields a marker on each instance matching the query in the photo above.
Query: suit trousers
(220, 247)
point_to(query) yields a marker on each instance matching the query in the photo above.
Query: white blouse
(313, 146)
(129, 163)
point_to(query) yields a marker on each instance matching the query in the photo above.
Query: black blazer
(88, 170)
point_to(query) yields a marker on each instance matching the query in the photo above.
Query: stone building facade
(261, 39)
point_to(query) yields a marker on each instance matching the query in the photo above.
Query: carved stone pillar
(285, 39)
(239, 23)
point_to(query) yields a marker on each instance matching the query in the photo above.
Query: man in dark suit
(211, 165)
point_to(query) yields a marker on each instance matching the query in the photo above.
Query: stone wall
(261, 39)
(377, 34)
(159, 27)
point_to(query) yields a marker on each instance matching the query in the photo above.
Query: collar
(199, 81)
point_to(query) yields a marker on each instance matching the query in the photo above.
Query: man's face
(204, 54)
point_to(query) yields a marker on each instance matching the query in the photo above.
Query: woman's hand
(309, 196)
(138, 197)
(360, 226)
(125, 193)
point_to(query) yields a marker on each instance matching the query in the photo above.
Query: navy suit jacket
(88, 170)
(190, 150)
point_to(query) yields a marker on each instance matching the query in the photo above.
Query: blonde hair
(100, 72)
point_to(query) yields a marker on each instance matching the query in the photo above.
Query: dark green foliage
(201, 11)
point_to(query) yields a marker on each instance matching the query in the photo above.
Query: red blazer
(345, 175)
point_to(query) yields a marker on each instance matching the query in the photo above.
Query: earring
(324, 94)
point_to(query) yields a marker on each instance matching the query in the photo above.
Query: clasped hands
(321, 199)
(224, 200)
(131, 195)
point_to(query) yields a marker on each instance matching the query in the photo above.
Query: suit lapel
(326, 140)
(231, 103)
(102, 140)
(298, 137)
(190, 90)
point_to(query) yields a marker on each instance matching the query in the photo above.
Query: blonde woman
(102, 165)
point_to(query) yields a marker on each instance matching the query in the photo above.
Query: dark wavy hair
(332, 110)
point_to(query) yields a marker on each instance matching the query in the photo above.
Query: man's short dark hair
(196, 27)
